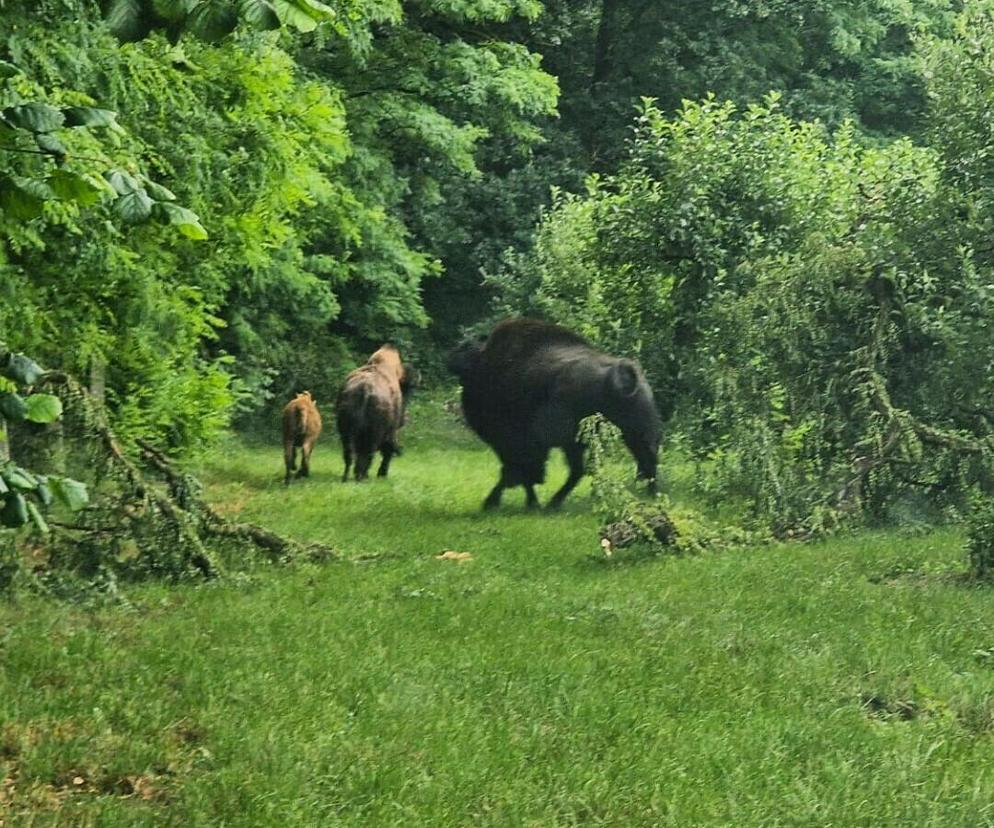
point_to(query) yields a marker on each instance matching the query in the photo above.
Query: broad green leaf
(50, 144)
(90, 116)
(174, 10)
(34, 117)
(17, 203)
(43, 408)
(122, 182)
(3, 486)
(18, 478)
(69, 186)
(8, 70)
(69, 492)
(21, 369)
(36, 518)
(12, 406)
(157, 191)
(43, 490)
(259, 14)
(186, 221)
(128, 19)
(213, 19)
(134, 207)
(34, 187)
(15, 510)
(303, 15)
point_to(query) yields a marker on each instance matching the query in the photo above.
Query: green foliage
(323, 189)
(830, 60)
(811, 304)
(212, 20)
(435, 97)
(980, 536)
(660, 524)
(22, 492)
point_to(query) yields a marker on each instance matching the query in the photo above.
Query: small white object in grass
(452, 555)
(606, 546)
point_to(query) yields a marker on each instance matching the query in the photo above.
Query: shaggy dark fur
(525, 390)
(370, 411)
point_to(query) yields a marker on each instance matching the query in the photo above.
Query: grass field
(848, 682)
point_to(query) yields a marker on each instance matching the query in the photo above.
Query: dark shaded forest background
(781, 207)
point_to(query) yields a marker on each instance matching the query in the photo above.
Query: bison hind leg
(347, 456)
(387, 451)
(289, 462)
(364, 459)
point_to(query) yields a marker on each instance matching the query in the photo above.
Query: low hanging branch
(183, 488)
(900, 424)
(178, 516)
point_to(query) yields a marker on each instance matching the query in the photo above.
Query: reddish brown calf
(301, 427)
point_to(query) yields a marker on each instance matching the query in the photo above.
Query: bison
(301, 428)
(525, 389)
(371, 409)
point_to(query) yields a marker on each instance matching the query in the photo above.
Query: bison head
(630, 406)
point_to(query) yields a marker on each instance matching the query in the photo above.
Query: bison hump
(521, 337)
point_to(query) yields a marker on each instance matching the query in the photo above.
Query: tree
(442, 106)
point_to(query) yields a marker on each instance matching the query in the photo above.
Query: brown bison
(371, 409)
(301, 427)
(525, 389)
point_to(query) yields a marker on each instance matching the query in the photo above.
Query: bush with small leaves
(980, 536)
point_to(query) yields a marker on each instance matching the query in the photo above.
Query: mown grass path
(841, 683)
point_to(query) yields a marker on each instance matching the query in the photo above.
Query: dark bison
(370, 411)
(525, 389)
(301, 428)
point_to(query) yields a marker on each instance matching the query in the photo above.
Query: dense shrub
(980, 536)
(808, 304)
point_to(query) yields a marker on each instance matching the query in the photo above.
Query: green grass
(848, 682)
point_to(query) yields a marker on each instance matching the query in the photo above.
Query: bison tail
(300, 418)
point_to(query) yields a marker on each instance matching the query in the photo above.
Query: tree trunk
(603, 70)
(604, 47)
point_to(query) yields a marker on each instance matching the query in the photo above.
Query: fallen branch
(180, 486)
(180, 519)
(900, 424)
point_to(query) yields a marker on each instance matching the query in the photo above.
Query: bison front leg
(509, 478)
(493, 499)
(574, 456)
(531, 499)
